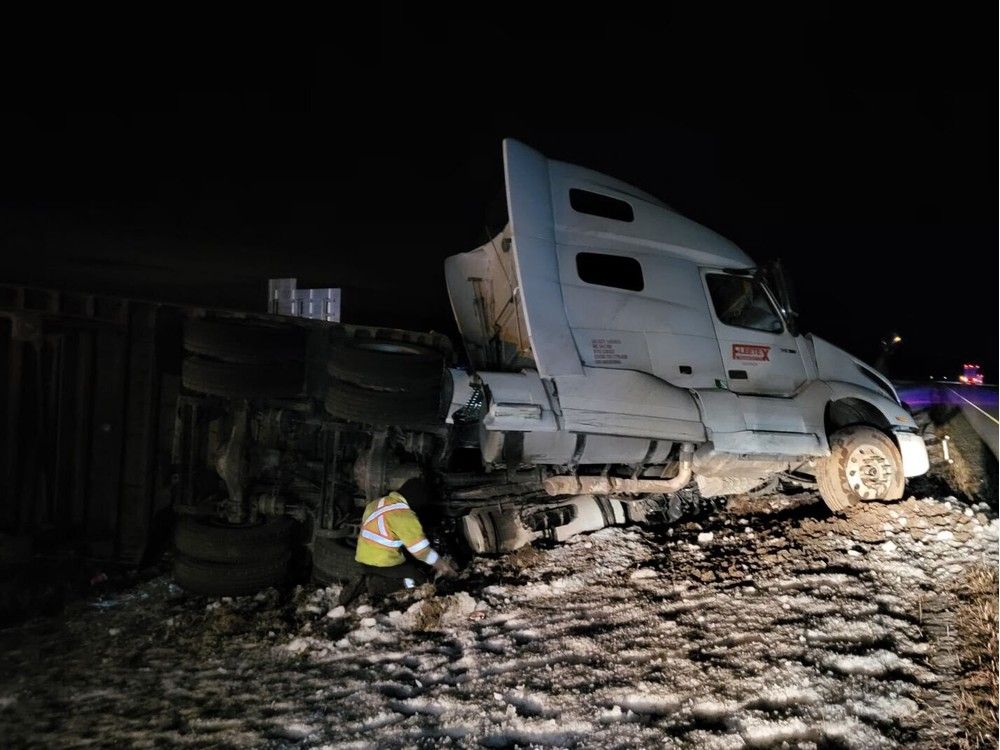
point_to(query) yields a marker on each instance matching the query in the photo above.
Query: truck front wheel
(864, 464)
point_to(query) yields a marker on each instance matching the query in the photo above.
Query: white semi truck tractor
(616, 354)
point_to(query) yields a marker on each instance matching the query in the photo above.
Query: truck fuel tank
(505, 529)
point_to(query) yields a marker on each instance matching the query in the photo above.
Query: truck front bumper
(914, 453)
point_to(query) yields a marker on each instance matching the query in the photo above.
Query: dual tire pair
(376, 379)
(217, 559)
(382, 382)
(244, 359)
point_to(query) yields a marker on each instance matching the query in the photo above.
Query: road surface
(979, 407)
(977, 402)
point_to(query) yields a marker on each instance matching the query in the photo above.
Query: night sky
(191, 163)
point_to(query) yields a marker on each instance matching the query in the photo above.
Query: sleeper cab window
(741, 302)
(595, 204)
(617, 271)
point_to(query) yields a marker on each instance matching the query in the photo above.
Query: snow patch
(641, 573)
(653, 705)
(418, 706)
(876, 664)
(551, 733)
(839, 630)
(528, 705)
(297, 645)
(434, 612)
(712, 711)
(762, 733)
(380, 720)
(704, 740)
(785, 697)
(883, 708)
(296, 731)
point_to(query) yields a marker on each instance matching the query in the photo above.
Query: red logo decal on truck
(751, 352)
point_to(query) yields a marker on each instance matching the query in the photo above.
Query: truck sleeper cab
(634, 328)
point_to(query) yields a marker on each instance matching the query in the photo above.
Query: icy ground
(769, 622)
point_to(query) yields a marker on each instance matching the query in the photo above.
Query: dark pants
(382, 581)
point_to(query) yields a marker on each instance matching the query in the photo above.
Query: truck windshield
(741, 301)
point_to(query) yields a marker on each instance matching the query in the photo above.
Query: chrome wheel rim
(870, 472)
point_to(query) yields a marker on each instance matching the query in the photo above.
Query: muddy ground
(767, 623)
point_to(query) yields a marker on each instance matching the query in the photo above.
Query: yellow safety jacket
(387, 526)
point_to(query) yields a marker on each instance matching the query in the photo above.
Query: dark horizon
(861, 150)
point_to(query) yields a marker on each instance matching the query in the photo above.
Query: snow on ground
(811, 631)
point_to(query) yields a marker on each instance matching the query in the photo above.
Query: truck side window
(741, 302)
(618, 271)
(596, 204)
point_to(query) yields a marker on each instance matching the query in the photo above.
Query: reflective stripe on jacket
(387, 526)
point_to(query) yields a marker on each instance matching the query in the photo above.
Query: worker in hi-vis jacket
(389, 526)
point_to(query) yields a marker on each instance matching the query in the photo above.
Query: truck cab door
(759, 354)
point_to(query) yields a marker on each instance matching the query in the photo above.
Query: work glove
(444, 567)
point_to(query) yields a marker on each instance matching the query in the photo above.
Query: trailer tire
(244, 342)
(209, 541)
(228, 579)
(383, 364)
(354, 403)
(333, 560)
(429, 340)
(864, 464)
(233, 380)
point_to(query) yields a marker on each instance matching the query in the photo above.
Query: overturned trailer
(88, 388)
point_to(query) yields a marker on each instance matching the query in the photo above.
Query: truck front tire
(864, 464)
